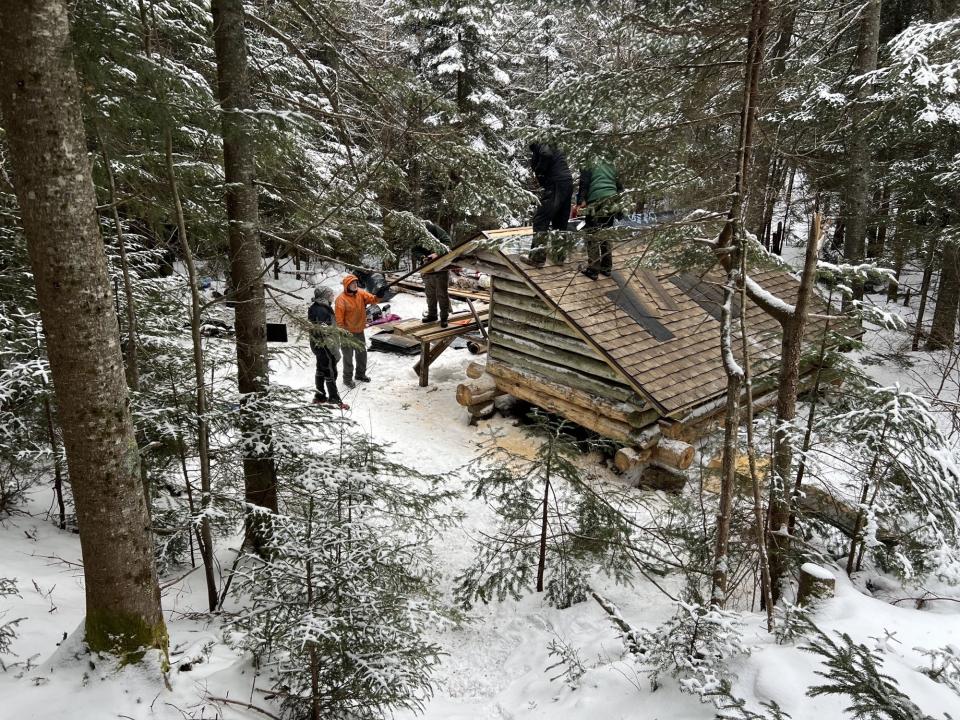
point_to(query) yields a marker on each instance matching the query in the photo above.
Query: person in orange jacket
(350, 310)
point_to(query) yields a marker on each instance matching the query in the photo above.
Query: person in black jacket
(436, 285)
(324, 347)
(556, 190)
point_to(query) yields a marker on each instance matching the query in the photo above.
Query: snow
(816, 571)
(496, 662)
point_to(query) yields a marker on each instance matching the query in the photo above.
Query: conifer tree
(44, 125)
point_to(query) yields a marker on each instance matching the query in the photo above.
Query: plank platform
(434, 339)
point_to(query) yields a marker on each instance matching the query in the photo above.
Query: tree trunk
(899, 256)
(133, 364)
(943, 328)
(40, 100)
(203, 434)
(778, 537)
(732, 234)
(924, 290)
(239, 164)
(857, 203)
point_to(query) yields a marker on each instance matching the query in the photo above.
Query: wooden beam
(634, 415)
(547, 339)
(613, 429)
(561, 375)
(479, 391)
(501, 310)
(427, 355)
(580, 363)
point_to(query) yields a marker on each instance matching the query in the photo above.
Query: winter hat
(321, 293)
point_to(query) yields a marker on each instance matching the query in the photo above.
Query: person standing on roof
(324, 346)
(598, 194)
(436, 284)
(549, 165)
(350, 311)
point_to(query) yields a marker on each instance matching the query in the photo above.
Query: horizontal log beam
(600, 424)
(580, 363)
(634, 415)
(561, 375)
(478, 392)
(547, 339)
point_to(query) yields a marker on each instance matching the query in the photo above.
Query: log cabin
(634, 357)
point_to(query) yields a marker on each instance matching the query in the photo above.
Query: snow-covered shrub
(944, 666)
(8, 628)
(553, 525)
(883, 449)
(853, 670)
(568, 663)
(338, 606)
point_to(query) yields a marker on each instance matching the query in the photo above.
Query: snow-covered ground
(495, 665)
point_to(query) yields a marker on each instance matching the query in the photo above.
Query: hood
(349, 279)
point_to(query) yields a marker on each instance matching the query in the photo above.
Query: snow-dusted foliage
(337, 607)
(883, 450)
(853, 670)
(554, 525)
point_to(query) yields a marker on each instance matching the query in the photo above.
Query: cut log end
(816, 583)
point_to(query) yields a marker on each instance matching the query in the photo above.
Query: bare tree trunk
(857, 205)
(778, 538)
(899, 257)
(878, 233)
(57, 471)
(133, 365)
(943, 327)
(924, 290)
(40, 100)
(239, 164)
(542, 560)
(732, 236)
(203, 435)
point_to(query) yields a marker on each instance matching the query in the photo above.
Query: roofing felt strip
(627, 299)
(705, 294)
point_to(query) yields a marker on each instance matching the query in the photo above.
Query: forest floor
(496, 664)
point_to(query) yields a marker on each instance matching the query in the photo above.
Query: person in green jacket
(598, 195)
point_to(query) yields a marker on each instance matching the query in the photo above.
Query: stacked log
(478, 392)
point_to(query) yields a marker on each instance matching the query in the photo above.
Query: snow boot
(363, 378)
(349, 383)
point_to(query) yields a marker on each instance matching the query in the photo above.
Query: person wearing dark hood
(324, 346)
(436, 284)
(598, 195)
(350, 310)
(549, 165)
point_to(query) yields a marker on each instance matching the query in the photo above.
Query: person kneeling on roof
(324, 344)
(435, 284)
(598, 194)
(350, 311)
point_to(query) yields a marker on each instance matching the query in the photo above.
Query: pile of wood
(649, 459)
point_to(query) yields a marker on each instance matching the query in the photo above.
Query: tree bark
(239, 164)
(943, 327)
(133, 364)
(203, 434)
(857, 205)
(40, 100)
(924, 289)
(732, 235)
(778, 537)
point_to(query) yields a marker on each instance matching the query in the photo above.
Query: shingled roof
(657, 328)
